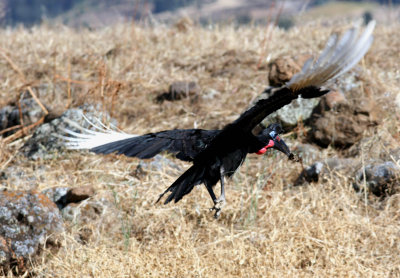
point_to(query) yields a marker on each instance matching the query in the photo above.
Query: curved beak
(281, 146)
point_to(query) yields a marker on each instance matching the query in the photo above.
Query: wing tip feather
(337, 57)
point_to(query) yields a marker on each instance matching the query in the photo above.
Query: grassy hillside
(268, 228)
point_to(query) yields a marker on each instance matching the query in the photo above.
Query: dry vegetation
(267, 229)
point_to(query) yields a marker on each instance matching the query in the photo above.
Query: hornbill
(218, 153)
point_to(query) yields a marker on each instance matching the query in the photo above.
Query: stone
(307, 152)
(45, 141)
(343, 126)
(317, 170)
(29, 220)
(179, 90)
(282, 69)
(288, 116)
(63, 196)
(10, 114)
(381, 178)
(333, 99)
(78, 194)
(299, 110)
(156, 164)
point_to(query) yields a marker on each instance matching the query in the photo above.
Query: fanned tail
(184, 184)
(338, 57)
(87, 139)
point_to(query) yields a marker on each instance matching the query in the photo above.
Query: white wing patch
(87, 138)
(337, 57)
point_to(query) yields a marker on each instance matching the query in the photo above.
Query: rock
(310, 174)
(19, 177)
(56, 194)
(307, 152)
(179, 90)
(344, 125)
(316, 171)
(157, 164)
(10, 114)
(77, 194)
(288, 116)
(44, 141)
(333, 99)
(91, 209)
(63, 196)
(381, 178)
(282, 69)
(29, 220)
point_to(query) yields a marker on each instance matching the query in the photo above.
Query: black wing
(275, 100)
(339, 56)
(184, 143)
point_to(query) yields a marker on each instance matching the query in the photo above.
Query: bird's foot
(218, 204)
(217, 211)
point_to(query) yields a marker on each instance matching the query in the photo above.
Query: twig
(22, 131)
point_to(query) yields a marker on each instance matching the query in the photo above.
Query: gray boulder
(381, 178)
(288, 116)
(10, 114)
(29, 220)
(43, 144)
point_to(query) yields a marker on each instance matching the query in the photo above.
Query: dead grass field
(268, 228)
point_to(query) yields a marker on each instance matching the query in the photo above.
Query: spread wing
(338, 57)
(184, 143)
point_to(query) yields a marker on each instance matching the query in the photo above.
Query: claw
(218, 204)
(217, 211)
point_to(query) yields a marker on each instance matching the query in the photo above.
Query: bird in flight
(216, 154)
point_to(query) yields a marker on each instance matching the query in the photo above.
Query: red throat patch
(264, 149)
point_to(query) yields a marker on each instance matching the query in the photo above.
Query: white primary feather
(337, 57)
(88, 139)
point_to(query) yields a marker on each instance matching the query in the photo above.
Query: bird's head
(270, 135)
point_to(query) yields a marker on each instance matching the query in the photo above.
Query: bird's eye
(273, 134)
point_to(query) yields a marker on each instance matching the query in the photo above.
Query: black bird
(218, 153)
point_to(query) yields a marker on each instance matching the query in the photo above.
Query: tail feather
(184, 184)
(89, 139)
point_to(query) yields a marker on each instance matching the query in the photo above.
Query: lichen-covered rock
(28, 220)
(43, 143)
(381, 178)
(288, 116)
(10, 115)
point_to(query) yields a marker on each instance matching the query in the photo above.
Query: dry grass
(267, 229)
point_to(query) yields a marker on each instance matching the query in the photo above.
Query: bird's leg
(215, 201)
(220, 202)
(212, 194)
